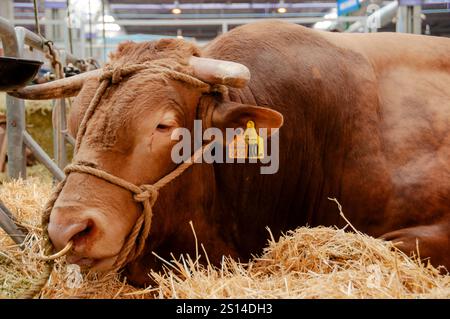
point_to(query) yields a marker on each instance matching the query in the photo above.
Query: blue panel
(410, 2)
(347, 6)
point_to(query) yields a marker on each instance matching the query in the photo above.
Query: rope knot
(114, 74)
(148, 192)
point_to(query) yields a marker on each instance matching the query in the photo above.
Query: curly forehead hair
(116, 110)
(176, 49)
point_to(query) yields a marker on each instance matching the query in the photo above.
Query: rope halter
(145, 194)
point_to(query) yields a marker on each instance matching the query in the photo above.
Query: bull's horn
(56, 89)
(220, 72)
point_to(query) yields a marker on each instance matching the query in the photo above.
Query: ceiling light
(281, 7)
(176, 7)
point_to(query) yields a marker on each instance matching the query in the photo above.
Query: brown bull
(366, 120)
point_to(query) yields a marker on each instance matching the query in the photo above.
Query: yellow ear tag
(248, 144)
(238, 148)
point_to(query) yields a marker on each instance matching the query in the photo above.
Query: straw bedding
(305, 263)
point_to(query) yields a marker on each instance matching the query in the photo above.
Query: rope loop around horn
(113, 74)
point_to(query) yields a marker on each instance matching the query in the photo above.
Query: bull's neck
(296, 194)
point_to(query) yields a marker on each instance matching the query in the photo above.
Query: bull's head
(129, 136)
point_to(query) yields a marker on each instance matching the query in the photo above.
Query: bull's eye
(167, 123)
(163, 127)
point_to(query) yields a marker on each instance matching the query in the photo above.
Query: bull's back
(387, 50)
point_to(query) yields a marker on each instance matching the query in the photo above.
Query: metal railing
(13, 41)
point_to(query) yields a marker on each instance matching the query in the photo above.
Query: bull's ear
(234, 115)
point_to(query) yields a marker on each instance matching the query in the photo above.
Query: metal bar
(31, 22)
(82, 37)
(32, 39)
(103, 31)
(13, 41)
(218, 6)
(59, 126)
(7, 9)
(224, 27)
(218, 22)
(378, 19)
(197, 6)
(416, 19)
(8, 224)
(42, 156)
(91, 53)
(402, 21)
(8, 38)
(37, 42)
(9, 41)
(50, 28)
(409, 20)
(69, 138)
(63, 119)
(217, 15)
(69, 26)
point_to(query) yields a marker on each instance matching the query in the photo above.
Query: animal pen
(321, 262)
(17, 138)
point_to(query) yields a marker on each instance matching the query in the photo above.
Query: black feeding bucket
(16, 73)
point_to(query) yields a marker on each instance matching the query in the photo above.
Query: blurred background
(92, 28)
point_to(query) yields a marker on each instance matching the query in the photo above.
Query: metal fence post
(59, 128)
(15, 114)
(15, 108)
(409, 19)
(13, 41)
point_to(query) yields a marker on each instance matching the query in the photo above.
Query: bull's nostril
(81, 234)
(84, 233)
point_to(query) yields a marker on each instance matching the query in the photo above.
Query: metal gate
(13, 41)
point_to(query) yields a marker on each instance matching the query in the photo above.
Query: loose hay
(306, 263)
